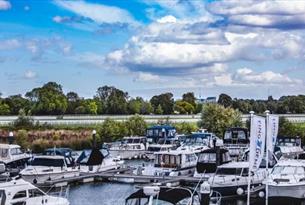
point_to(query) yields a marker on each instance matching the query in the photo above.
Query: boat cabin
(236, 135)
(233, 168)
(209, 159)
(157, 132)
(175, 159)
(50, 161)
(12, 156)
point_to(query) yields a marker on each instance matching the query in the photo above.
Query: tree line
(50, 99)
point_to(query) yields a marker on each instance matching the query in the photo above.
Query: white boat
(12, 156)
(128, 148)
(159, 147)
(236, 140)
(20, 192)
(287, 179)
(46, 168)
(231, 179)
(172, 163)
(289, 148)
(102, 161)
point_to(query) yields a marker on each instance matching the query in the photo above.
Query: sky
(247, 49)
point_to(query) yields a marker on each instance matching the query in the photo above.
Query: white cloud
(10, 44)
(223, 80)
(98, 12)
(147, 77)
(29, 74)
(5, 5)
(167, 19)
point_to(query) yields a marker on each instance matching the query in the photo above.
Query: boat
(210, 159)
(13, 158)
(231, 179)
(46, 168)
(287, 179)
(128, 148)
(236, 140)
(172, 163)
(289, 147)
(162, 146)
(158, 132)
(20, 192)
(92, 161)
(199, 141)
(158, 195)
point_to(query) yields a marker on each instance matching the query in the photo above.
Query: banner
(257, 141)
(272, 131)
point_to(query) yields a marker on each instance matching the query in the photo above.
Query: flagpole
(267, 155)
(249, 171)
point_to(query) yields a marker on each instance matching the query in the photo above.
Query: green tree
(134, 105)
(186, 128)
(4, 109)
(48, 99)
(23, 121)
(166, 102)
(22, 139)
(225, 100)
(17, 102)
(74, 101)
(111, 130)
(216, 118)
(146, 108)
(183, 107)
(90, 107)
(136, 126)
(190, 98)
(159, 110)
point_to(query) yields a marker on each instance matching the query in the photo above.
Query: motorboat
(159, 195)
(172, 163)
(128, 148)
(236, 140)
(231, 179)
(198, 141)
(95, 160)
(158, 132)
(289, 147)
(162, 146)
(210, 159)
(13, 158)
(287, 179)
(20, 192)
(46, 168)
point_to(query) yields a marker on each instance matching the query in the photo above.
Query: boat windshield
(196, 141)
(207, 157)
(4, 153)
(288, 170)
(48, 162)
(16, 151)
(154, 149)
(229, 171)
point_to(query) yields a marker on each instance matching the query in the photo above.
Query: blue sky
(247, 49)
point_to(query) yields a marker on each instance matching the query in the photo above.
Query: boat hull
(128, 154)
(231, 191)
(295, 191)
(42, 178)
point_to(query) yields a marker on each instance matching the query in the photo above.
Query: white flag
(257, 141)
(272, 131)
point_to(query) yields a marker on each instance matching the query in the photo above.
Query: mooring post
(205, 191)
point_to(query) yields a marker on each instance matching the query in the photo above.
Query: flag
(272, 131)
(257, 141)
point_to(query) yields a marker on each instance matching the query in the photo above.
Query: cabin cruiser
(287, 179)
(172, 163)
(128, 147)
(13, 158)
(231, 179)
(162, 146)
(210, 159)
(157, 132)
(198, 141)
(289, 147)
(92, 161)
(159, 195)
(236, 140)
(19, 192)
(45, 168)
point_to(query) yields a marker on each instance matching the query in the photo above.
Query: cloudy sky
(248, 48)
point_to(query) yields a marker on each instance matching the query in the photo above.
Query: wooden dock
(123, 175)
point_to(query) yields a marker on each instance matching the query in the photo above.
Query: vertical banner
(272, 131)
(257, 141)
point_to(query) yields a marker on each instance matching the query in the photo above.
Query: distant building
(207, 100)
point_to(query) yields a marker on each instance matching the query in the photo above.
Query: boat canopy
(66, 152)
(170, 195)
(92, 157)
(236, 135)
(160, 131)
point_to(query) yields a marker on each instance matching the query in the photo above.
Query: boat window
(228, 171)
(150, 133)
(207, 157)
(35, 193)
(241, 135)
(300, 171)
(47, 162)
(284, 170)
(153, 149)
(227, 135)
(178, 160)
(166, 159)
(173, 159)
(245, 172)
(226, 157)
(4, 153)
(15, 151)
(20, 194)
